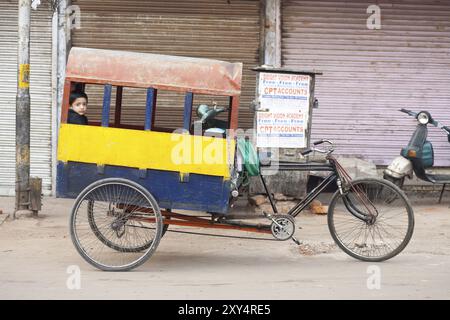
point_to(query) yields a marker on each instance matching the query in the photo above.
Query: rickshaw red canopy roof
(135, 69)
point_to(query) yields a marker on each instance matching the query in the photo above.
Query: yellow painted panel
(146, 149)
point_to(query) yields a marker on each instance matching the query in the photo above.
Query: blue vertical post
(189, 98)
(106, 105)
(149, 108)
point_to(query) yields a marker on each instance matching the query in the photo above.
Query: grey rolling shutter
(370, 74)
(40, 91)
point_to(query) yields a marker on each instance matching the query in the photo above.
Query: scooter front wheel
(388, 224)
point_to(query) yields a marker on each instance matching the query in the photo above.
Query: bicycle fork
(368, 218)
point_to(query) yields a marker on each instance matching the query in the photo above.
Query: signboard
(282, 120)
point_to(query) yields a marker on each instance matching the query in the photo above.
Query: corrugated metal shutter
(40, 91)
(219, 29)
(370, 74)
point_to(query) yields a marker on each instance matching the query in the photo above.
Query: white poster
(284, 101)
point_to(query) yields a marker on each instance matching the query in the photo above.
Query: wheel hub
(119, 227)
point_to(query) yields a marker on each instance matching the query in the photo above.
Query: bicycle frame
(332, 177)
(294, 166)
(223, 223)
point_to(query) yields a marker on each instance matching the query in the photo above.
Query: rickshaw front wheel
(116, 224)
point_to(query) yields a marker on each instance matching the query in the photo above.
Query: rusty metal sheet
(165, 72)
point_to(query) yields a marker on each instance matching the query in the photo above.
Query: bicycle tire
(347, 247)
(81, 247)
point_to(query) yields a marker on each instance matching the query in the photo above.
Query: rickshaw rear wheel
(116, 224)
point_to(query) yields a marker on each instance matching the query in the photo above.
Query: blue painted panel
(188, 110)
(149, 108)
(200, 192)
(106, 105)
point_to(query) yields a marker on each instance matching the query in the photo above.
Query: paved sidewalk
(36, 254)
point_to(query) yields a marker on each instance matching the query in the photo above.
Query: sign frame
(282, 71)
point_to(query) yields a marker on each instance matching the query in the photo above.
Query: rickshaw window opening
(136, 108)
(221, 120)
(77, 87)
(118, 108)
(95, 93)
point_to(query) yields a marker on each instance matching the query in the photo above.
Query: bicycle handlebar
(305, 152)
(315, 143)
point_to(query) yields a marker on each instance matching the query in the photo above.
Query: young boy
(78, 105)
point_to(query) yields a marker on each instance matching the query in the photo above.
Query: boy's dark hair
(75, 95)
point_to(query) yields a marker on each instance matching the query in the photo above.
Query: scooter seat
(439, 178)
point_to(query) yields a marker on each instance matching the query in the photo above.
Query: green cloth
(250, 157)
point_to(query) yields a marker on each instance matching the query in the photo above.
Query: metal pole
(442, 193)
(269, 195)
(23, 109)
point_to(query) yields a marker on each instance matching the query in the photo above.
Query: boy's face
(80, 106)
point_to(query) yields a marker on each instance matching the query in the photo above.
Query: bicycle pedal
(296, 241)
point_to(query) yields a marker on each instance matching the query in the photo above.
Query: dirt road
(36, 255)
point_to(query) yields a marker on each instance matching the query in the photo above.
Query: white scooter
(418, 156)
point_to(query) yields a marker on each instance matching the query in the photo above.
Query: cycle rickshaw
(128, 180)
